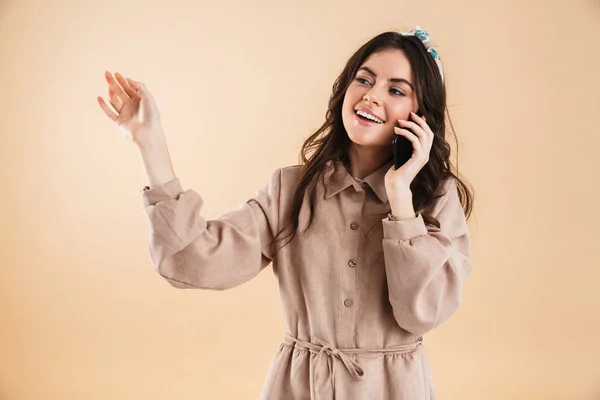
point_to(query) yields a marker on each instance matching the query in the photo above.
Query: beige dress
(358, 293)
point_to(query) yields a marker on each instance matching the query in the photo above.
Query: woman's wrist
(156, 159)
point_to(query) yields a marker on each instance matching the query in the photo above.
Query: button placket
(348, 283)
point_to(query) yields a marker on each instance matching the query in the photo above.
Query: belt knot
(321, 347)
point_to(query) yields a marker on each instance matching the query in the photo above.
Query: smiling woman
(354, 324)
(380, 97)
(388, 77)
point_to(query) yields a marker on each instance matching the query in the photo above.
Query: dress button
(348, 302)
(354, 226)
(352, 263)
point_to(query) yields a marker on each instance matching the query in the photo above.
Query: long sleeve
(191, 252)
(426, 266)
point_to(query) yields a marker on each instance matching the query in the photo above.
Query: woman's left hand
(421, 138)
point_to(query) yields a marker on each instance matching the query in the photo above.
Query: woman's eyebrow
(395, 80)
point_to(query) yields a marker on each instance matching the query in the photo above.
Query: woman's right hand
(137, 115)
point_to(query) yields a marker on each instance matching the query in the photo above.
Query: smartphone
(402, 147)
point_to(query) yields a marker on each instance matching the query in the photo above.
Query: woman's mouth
(366, 119)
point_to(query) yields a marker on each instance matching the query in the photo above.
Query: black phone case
(402, 147)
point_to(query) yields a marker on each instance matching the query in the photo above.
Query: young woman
(376, 256)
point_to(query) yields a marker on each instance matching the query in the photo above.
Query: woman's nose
(371, 96)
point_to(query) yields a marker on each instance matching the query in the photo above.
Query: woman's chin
(365, 137)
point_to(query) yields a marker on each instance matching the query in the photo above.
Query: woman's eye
(362, 80)
(396, 91)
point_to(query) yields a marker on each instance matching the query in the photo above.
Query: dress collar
(337, 178)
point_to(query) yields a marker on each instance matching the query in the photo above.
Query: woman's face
(383, 88)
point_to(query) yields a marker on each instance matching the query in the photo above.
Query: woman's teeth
(369, 116)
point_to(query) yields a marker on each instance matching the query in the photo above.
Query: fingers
(115, 85)
(407, 134)
(422, 122)
(137, 86)
(115, 101)
(123, 82)
(418, 128)
(418, 120)
(120, 89)
(415, 129)
(106, 109)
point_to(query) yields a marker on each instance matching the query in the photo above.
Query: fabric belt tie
(321, 347)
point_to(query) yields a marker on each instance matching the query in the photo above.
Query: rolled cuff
(405, 229)
(166, 191)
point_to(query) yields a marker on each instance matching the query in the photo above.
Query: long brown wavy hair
(334, 142)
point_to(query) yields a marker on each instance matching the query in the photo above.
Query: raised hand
(136, 111)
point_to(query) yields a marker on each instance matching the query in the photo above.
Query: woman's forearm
(156, 159)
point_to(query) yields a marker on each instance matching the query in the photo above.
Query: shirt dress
(358, 292)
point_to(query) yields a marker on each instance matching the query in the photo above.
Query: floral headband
(429, 45)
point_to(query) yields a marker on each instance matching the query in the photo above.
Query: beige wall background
(240, 85)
